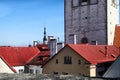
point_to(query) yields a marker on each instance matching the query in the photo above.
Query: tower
(44, 38)
(91, 20)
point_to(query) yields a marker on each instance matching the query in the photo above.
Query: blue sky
(22, 21)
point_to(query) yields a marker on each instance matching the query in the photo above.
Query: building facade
(91, 20)
(88, 60)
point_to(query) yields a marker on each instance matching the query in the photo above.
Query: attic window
(79, 61)
(56, 61)
(67, 60)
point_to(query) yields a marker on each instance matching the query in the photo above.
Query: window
(21, 71)
(31, 71)
(56, 61)
(37, 71)
(64, 73)
(84, 2)
(55, 72)
(114, 3)
(79, 61)
(67, 60)
(72, 39)
(84, 40)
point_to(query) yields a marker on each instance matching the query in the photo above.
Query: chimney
(35, 43)
(60, 45)
(53, 47)
(106, 52)
(49, 42)
(29, 45)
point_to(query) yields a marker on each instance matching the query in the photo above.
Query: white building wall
(36, 69)
(4, 68)
(112, 19)
(19, 69)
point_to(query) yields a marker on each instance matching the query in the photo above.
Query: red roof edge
(32, 58)
(8, 65)
(82, 56)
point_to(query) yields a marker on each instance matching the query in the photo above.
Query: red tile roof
(116, 41)
(18, 56)
(95, 54)
(42, 46)
(42, 57)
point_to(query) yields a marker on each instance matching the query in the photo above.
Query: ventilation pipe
(106, 52)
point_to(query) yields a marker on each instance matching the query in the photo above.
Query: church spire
(44, 38)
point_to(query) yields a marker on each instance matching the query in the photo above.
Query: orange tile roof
(95, 54)
(116, 41)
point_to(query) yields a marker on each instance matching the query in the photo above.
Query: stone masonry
(93, 20)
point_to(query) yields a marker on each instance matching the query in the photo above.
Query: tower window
(72, 39)
(84, 2)
(84, 40)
